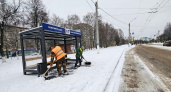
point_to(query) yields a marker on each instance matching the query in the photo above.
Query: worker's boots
(65, 73)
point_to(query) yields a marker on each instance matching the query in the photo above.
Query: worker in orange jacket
(59, 55)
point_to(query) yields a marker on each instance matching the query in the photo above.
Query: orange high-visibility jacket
(58, 52)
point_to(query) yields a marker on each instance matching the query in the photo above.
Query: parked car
(167, 43)
(35, 54)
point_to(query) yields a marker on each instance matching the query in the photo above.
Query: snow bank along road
(82, 79)
(147, 69)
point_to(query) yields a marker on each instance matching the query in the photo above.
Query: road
(146, 69)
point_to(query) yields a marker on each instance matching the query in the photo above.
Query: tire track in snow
(112, 74)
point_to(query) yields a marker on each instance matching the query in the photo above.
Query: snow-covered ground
(157, 43)
(82, 79)
(160, 45)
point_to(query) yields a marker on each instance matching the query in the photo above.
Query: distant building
(12, 37)
(70, 48)
(145, 39)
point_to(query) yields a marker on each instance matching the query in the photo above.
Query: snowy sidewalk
(83, 79)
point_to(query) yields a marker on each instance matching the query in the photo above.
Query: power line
(112, 16)
(145, 8)
(139, 7)
(151, 16)
(109, 14)
(93, 1)
(157, 9)
(163, 5)
(135, 8)
(120, 26)
(116, 18)
(89, 5)
(115, 24)
(131, 14)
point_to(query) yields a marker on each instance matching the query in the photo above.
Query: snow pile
(83, 79)
(157, 43)
(150, 72)
(161, 46)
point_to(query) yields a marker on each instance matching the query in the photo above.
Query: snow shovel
(86, 63)
(48, 77)
(46, 72)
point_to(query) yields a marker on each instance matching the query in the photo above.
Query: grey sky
(145, 24)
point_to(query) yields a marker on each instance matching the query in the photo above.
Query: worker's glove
(51, 64)
(55, 61)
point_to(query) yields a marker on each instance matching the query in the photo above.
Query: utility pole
(97, 28)
(129, 34)
(129, 31)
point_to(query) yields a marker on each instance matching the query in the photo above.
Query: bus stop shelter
(43, 33)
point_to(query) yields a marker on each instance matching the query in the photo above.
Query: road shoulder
(136, 76)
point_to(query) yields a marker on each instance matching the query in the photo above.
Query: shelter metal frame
(47, 32)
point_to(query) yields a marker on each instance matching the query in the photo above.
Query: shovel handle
(46, 71)
(85, 60)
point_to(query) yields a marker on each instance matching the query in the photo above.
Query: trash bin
(41, 68)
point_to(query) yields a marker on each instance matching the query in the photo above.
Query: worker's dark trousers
(78, 60)
(61, 62)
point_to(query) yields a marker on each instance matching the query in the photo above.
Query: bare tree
(90, 20)
(167, 31)
(85, 34)
(121, 36)
(35, 15)
(56, 20)
(43, 17)
(102, 36)
(72, 20)
(109, 35)
(113, 36)
(7, 10)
